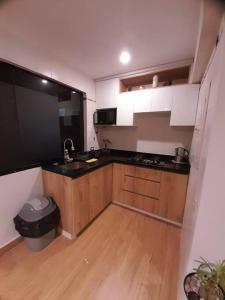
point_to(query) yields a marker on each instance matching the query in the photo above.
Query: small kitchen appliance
(181, 155)
(106, 116)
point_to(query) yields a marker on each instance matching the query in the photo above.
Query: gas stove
(147, 161)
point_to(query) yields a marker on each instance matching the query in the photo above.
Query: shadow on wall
(16, 189)
(3, 2)
(152, 134)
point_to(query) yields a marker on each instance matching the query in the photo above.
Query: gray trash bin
(37, 222)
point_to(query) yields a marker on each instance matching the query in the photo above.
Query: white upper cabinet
(161, 99)
(184, 105)
(152, 100)
(181, 100)
(141, 100)
(125, 110)
(107, 93)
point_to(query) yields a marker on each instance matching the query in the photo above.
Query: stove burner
(153, 162)
(137, 158)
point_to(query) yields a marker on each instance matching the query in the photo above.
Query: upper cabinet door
(142, 100)
(184, 106)
(161, 99)
(125, 110)
(107, 93)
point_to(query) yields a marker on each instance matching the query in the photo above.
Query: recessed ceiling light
(124, 57)
(73, 92)
(44, 81)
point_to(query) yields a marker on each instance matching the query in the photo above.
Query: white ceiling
(90, 34)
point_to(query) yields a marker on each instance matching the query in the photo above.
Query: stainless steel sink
(75, 165)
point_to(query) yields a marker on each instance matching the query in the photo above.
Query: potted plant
(207, 282)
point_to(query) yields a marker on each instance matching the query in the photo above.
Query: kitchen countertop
(117, 156)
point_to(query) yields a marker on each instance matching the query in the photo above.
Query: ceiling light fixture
(74, 92)
(124, 57)
(44, 81)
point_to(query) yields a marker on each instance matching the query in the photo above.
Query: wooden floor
(122, 255)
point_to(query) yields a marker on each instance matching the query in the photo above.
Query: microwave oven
(105, 116)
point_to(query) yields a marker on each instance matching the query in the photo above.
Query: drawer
(141, 186)
(143, 203)
(150, 174)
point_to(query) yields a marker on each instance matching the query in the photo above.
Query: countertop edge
(92, 167)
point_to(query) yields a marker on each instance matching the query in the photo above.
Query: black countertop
(117, 156)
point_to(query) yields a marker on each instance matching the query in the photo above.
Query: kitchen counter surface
(117, 156)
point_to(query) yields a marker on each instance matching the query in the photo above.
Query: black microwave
(105, 116)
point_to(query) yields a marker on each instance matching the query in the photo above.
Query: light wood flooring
(121, 255)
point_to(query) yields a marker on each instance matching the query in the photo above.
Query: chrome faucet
(106, 142)
(67, 157)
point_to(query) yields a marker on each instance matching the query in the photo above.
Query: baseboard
(67, 234)
(10, 245)
(19, 239)
(148, 214)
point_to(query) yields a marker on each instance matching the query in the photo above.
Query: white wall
(18, 51)
(208, 240)
(16, 188)
(92, 140)
(204, 222)
(15, 50)
(153, 134)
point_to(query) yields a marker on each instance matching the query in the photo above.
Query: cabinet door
(142, 100)
(184, 106)
(107, 187)
(60, 189)
(81, 202)
(173, 196)
(161, 99)
(118, 174)
(91, 194)
(125, 110)
(100, 190)
(107, 93)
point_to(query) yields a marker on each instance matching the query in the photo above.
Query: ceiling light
(73, 92)
(44, 81)
(124, 57)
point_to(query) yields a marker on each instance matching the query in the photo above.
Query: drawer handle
(143, 195)
(132, 176)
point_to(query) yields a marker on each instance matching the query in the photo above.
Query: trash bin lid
(37, 208)
(39, 203)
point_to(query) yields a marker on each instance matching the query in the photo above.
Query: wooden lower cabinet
(60, 189)
(141, 186)
(151, 191)
(80, 200)
(155, 192)
(91, 194)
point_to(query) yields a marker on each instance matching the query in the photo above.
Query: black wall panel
(35, 118)
(39, 125)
